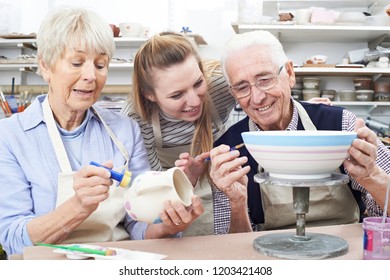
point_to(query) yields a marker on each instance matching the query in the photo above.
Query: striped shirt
(177, 132)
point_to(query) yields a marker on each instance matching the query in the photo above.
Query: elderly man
(261, 77)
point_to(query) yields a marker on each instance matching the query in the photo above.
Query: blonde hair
(66, 27)
(160, 52)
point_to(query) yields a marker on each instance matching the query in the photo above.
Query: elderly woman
(49, 192)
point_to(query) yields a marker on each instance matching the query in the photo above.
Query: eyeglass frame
(276, 77)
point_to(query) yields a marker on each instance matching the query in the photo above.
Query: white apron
(103, 223)
(204, 225)
(328, 205)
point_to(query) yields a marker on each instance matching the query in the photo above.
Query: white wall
(211, 19)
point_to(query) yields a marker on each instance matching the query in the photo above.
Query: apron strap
(116, 141)
(157, 129)
(306, 121)
(251, 125)
(216, 117)
(55, 137)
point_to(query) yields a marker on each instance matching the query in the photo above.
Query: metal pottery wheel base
(288, 246)
(301, 245)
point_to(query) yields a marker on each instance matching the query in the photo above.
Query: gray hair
(66, 27)
(242, 41)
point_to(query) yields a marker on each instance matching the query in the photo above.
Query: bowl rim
(300, 133)
(295, 138)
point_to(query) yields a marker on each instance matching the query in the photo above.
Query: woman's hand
(91, 185)
(192, 167)
(176, 217)
(320, 100)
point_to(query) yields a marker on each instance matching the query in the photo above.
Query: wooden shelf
(17, 66)
(129, 42)
(317, 33)
(33, 66)
(331, 4)
(124, 66)
(361, 103)
(17, 43)
(328, 71)
(40, 89)
(120, 42)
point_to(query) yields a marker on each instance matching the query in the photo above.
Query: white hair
(239, 42)
(67, 27)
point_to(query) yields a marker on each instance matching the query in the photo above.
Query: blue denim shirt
(29, 167)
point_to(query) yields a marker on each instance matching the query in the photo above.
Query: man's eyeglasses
(262, 83)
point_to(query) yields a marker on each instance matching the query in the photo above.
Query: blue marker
(123, 178)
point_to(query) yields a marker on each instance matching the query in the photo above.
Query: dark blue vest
(323, 117)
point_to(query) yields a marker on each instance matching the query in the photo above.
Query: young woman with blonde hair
(182, 104)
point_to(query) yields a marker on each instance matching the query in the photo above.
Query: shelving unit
(288, 33)
(361, 5)
(26, 70)
(329, 71)
(301, 41)
(119, 78)
(364, 108)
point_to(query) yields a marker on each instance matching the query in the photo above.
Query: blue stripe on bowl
(299, 138)
(264, 150)
(299, 160)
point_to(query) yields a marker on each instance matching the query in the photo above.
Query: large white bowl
(299, 154)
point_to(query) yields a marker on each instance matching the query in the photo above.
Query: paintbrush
(103, 252)
(13, 87)
(3, 107)
(5, 103)
(231, 149)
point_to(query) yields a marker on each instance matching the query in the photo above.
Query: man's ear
(290, 71)
(44, 70)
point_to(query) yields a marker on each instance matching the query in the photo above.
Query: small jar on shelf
(310, 93)
(364, 95)
(347, 95)
(328, 93)
(363, 83)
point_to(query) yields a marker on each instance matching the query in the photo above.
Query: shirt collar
(168, 118)
(33, 115)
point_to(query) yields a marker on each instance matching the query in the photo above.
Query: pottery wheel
(317, 246)
(335, 179)
(301, 245)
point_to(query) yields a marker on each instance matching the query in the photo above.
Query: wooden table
(214, 247)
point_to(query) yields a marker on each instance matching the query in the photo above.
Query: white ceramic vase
(145, 198)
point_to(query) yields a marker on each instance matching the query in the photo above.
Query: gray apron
(329, 205)
(204, 225)
(103, 223)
